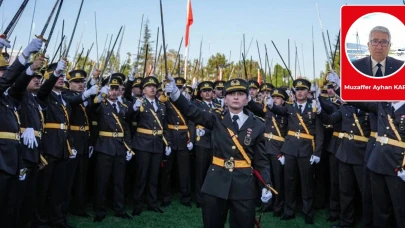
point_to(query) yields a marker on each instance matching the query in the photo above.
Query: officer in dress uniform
(330, 103)
(275, 132)
(302, 148)
(202, 139)
(218, 89)
(180, 146)
(238, 150)
(112, 148)
(253, 90)
(355, 133)
(80, 131)
(149, 142)
(386, 163)
(11, 165)
(31, 118)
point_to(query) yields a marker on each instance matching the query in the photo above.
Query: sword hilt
(41, 38)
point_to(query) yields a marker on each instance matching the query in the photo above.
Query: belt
(10, 135)
(298, 135)
(79, 128)
(275, 137)
(328, 126)
(350, 136)
(111, 134)
(392, 142)
(55, 126)
(36, 133)
(230, 164)
(177, 127)
(149, 132)
(374, 134)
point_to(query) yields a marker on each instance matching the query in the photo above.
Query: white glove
(29, 138)
(91, 149)
(332, 77)
(74, 153)
(4, 43)
(60, 68)
(129, 156)
(190, 146)
(92, 81)
(33, 47)
(131, 76)
(137, 104)
(316, 104)
(200, 132)
(172, 88)
(92, 91)
(168, 150)
(401, 174)
(281, 159)
(105, 90)
(195, 84)
(266, 195)
(22, 177)
(270, 102)
(314, 159)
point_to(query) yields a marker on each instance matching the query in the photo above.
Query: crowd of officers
(65, 135)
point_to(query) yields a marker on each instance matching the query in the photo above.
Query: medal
(401, 127)
(248, 139)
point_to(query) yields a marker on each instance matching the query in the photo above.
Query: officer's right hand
(131, 76)
(266, 195)
(105, 90)
(281, 159)
(60, 68)
(92, 91)
(200, 132)
(401, 174)
(171, 85)
(74, 153)
(33, 47)
(137, 104)
(4, 43)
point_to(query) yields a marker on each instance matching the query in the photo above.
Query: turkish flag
(189, 20)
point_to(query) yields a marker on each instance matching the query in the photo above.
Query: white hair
(381, 29)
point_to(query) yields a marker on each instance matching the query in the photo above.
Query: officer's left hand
(316, 104)
(29, 138)
(334, 78)
(266, 195)
(270, 102)
(129, 156)
(281, 159)
(401, 174)
(74, 153)
(22, 175)
(92, 91)
(91, 149)
(168, 150)
(190, 146)
(33, 47)
(314, 159)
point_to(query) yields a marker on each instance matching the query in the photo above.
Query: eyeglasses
(384, 43)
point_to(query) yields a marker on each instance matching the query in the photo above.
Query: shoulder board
(260, 118)
(162, 103)
(124, 105)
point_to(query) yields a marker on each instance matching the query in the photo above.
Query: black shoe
(332, 218)
(165, 204)
(99, 218)
(309, 220)
(81, 214)
(287, 217)
(124, 215)
(340, 226)
(137, 211)
(277, 214)
(155, 209)
(188, 204)
(198, 205)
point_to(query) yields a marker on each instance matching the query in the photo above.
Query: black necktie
(153, 105)
(379, 71)
(393, 109)
(235, 123)
(210, 105)
(300, 107)
(115, 108)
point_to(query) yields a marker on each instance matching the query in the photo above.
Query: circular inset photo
(375, 45)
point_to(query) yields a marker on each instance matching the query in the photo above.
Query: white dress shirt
(375, 67)
(153, 102)
(398, 105)
(58, 94)
(116, 105)
(242, 118)
(303, 106)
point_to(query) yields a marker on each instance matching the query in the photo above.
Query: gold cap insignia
(265, 87)
(221, 84)
(151, 80)
(276, 91)
(114, 81)
(206, 85)
(78, 75)
(299, 83)
(179, 81)
(235, 83)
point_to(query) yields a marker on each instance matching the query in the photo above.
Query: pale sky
(364, 24)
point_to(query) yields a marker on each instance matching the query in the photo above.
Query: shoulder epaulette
(126, 106)
(260, 118)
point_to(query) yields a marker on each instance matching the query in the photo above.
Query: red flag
(189, 20)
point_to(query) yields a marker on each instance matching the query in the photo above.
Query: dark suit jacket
(364, 65)
(239, 184)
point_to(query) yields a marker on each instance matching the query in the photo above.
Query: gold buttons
(233, 147)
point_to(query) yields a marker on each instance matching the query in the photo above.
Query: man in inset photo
(378, 64)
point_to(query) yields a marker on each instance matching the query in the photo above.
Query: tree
(146, 42)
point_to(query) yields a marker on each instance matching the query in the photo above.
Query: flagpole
(185, 60)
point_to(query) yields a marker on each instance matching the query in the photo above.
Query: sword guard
(41, 38)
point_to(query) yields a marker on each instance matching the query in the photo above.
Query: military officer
(302, 148)
(238, 150)
(218, 87)
(253, 90)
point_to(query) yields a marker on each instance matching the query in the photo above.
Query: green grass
(179, 216)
